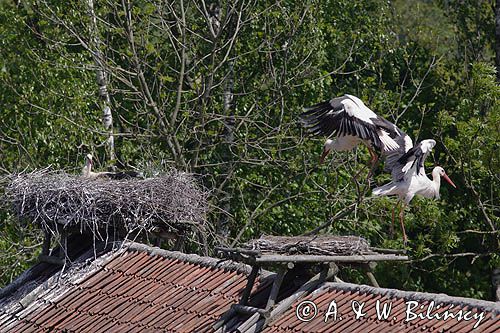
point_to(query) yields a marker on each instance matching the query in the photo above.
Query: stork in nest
(88, 173)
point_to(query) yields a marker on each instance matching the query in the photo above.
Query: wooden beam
(223, 319)
(179, 242)
(372, 278)
(224, 328)
(369, 268)
(46, 243)
(257, 327)
(276, 288)
(249, 286)
(51, 260)
(244, 309)
(249, 323)
(237, 250)
(313, 258)
(226, 317)
(327, 273)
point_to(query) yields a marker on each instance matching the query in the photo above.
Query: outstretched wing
(391, 157)
(348, 115)
(412, 162)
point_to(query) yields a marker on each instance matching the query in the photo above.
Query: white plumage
(88, 173)
(409, 179)
(347, 121)
(356, 108)
(87, 169)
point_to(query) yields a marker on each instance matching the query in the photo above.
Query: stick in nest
(315, 245)
(55, 200)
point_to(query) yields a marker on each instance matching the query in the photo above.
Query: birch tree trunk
(497, 38)
(102, 82)
(223, 225)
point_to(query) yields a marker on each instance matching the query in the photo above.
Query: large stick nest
(54, 199)
(314, 245)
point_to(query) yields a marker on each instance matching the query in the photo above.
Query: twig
(451, 255)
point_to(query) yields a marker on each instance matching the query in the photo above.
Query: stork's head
(88, 159)
(443, 174)
(326, 150)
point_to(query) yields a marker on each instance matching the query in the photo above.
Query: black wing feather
(416, 156)
(330, 118)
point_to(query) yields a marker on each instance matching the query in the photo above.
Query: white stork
(351, 122)
(408, 176)
(87, 169)
(88, 173)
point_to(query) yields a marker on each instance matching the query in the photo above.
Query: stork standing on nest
(88, 173)
(409, 179)
(350, 122)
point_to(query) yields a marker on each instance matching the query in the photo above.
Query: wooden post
(51, 260)
(275, 289)
(179, 242)
(327, 273)
(223, 319)
(223, 327)
(368, 268)
(218, 326)
(244, 309)
(249, 323)
(249, 286)
(63, 250)
(46, 243)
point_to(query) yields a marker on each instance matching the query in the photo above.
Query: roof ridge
(413, 295)
(192, 258)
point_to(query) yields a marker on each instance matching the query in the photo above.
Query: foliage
(215, 88)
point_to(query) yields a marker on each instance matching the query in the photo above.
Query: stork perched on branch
(351, 122)
(88, 173)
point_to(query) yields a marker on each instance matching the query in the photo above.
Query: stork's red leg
(401, 220)
(373, 161)
(391, 230)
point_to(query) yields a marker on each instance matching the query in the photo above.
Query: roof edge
(191, 258)
(413, 295)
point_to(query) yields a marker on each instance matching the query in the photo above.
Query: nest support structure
(312, 259)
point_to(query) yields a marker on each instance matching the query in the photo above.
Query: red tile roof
(139, 288)
(135, 289)
(347, 297)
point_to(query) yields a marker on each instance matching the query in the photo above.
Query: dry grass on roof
(55, 199)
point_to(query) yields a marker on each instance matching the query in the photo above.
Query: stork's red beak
(445, 176)
(323, 155)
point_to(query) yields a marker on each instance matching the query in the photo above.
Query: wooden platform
(309, 249)
(291, 255)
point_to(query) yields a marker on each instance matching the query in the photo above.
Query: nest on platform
(313, 245)
(55, 200)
